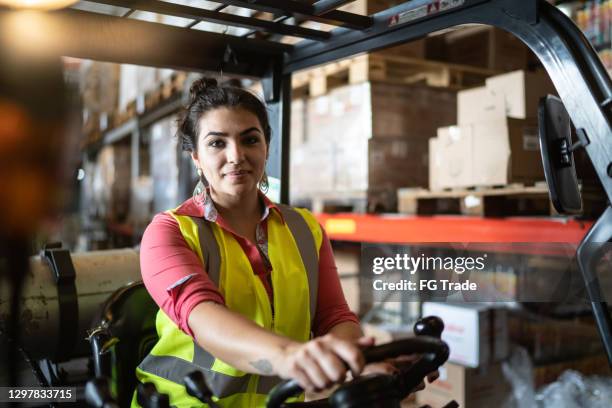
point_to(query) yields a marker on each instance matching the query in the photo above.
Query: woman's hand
(320, 362)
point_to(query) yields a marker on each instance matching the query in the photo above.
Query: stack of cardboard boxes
(481, 46)
(107, 189)
(365, 140)
(477, 336)
(495, 141)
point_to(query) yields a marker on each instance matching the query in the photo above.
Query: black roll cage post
(572, 64)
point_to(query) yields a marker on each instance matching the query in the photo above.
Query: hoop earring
(263, 184)
(202, 186)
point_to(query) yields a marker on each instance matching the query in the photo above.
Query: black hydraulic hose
(436, 353)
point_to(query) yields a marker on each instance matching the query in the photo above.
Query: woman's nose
(235, 153)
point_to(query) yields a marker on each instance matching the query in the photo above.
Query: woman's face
(231, 150)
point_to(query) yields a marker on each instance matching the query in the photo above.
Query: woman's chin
(239, 188)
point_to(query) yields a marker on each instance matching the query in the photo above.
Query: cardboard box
(492, 153)
(595, 365)
(100, 86)
(476, 334)
(410, 112)
(298, 121)
(522, 91)
(395, 163)
(451, 163)
(500, 348)
(481, 46)
(482, 387)
(551, 340)
(467, 331)
(435, 164)
(111, 183)
(348, 264)
(479, 105)
(506, 151)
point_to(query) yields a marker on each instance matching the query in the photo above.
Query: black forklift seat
(121, 336)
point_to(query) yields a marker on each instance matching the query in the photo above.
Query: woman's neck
(238, 208)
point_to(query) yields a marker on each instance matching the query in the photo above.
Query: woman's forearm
(237, 340)
(241, 343)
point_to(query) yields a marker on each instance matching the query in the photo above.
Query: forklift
(584, 104)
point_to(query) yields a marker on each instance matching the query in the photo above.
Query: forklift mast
(579, 77)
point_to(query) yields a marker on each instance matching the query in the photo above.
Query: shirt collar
(201, 205)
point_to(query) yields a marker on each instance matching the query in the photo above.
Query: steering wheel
(379, 390)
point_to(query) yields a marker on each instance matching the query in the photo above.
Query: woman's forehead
(228, 120)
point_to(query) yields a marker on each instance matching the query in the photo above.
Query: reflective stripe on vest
(163, 364)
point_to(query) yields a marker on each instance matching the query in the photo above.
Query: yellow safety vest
(293, 249)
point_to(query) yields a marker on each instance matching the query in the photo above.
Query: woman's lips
(237, 175)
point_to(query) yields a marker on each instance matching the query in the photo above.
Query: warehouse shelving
(409, 229)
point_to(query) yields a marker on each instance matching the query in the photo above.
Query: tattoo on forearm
(263, 366)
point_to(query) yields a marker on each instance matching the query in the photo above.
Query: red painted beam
(410, 229)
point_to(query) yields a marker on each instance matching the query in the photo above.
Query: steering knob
(431, 326)
(196, 386)
(98, 395)
(148, 397)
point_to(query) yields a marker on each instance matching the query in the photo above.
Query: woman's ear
(194, 158)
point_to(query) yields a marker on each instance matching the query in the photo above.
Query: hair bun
(201, 85)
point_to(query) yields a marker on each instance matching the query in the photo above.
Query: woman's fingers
(315, 373)
(334, 368)
(348, 352)
(323, 361)
(302, 378)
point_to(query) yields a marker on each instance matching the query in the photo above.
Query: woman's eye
(217, 143)
(251, 140)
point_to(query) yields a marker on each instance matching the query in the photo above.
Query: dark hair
(206, 95)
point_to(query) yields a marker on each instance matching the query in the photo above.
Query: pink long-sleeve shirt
(177, 281)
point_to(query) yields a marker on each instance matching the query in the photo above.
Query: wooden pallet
(387, 68)
(333, 202)
(511, 200)
(508, 200)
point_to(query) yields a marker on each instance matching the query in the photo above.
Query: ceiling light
(37, 4)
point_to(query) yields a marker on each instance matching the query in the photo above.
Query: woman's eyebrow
(216, 134)
(244, 132)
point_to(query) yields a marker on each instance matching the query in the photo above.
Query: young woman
(248, 289)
